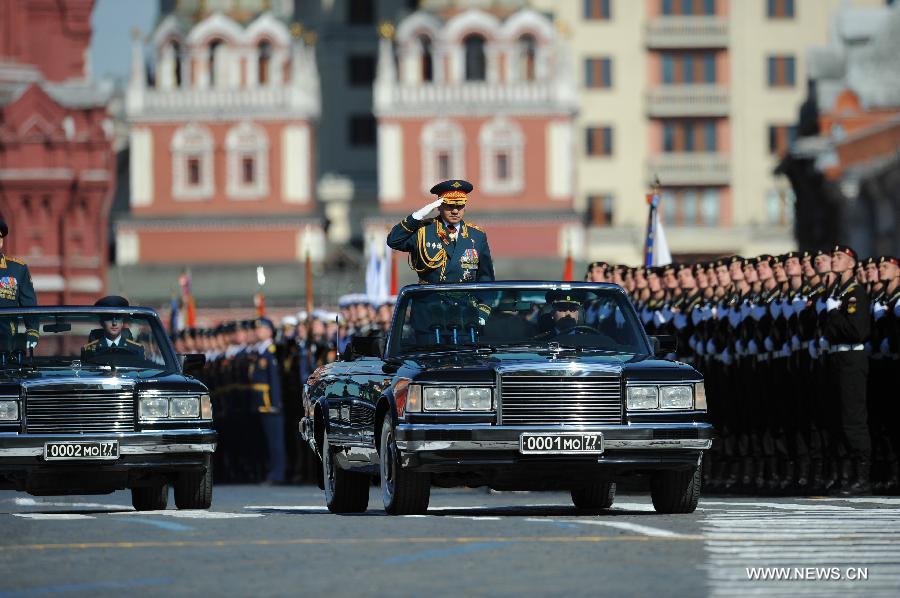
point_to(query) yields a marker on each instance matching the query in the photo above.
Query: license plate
(90, 450)
(560, 443)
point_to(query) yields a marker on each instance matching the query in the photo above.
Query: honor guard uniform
(441, 251)
(16, 290)
(265, 385)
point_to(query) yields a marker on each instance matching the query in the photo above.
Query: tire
(404, 492)
(150, 498)
(676, 491)
(345, 491)
(194, 490)
(599, 495)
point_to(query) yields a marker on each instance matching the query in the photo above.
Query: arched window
(502, 155)
(264, 62)
(527, 55)
(176, 63)
(192, 163)
(427, 60)
(247, 148)
(476, 61)
(443, 152)
(213, 53)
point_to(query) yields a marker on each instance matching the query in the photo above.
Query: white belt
(842, 348)
(782, 353)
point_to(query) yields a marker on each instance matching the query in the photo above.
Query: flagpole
(648, 245)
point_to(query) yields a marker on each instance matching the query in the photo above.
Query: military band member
(445, 248)
(16, 290)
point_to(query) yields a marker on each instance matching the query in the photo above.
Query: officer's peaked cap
(4, 230)
(112, 301)
(454, 192)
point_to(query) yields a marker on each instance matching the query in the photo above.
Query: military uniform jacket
(850, 322)
(100, 345)
(436, 258)
(17, 290)
(265, 380)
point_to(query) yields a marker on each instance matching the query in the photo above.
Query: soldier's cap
(598, 264)
(845, 249)
(870, 261)
(669, 267)
(790, 255)
(655, 270)
(698, 267)
(764, 258)
(564, 299)
(302, 316)
(888, 259)
(751, 262)
(454, 192)
(112, 301)
(4, 229)
(735, 259)
(289, 321)
(776, 260)
(679, 267)
(345, 301)
(248, 324)
(260, 322)
(229, 327)
(806, 255)
(820, 253)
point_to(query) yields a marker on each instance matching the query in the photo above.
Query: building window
(687, 7)
(598, 73)
(689, 136)
(681, 67)
(176, 65)
(780, 207)
(780, 9)
(502, 155)
(780, 138)
(264, 62)
(691, 207)
(361, 12)
(599, 141)
(781, 71)
(597, 10)
(247, 153)
(362, 130)
(442, 144)
(476, 61)
(600, 209)
(192, 163)
(215, 66)
(527, 57)
(427, 60)
(361, 70)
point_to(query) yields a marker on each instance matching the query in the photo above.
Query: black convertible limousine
(512, 385)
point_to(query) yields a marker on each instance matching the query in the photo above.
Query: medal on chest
(9, 287)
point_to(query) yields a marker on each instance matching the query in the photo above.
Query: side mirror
(367, 346)
(663, 344)
(191, 363)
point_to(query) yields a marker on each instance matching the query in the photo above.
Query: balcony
(688, 100)
(474, 98)
(690, 168)
(672, 32)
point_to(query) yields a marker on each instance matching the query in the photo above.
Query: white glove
(798, 304)
(795, 343)
(885, 346)
(31, 344)
(769, 344)
(824, 344)
(659, 317)
(422, 213)
(878, 310)
(752, 348)
(813, 352)
(831, 304)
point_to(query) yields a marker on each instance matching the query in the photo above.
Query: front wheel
(193, 490)
(404, 492)
(345, 491)
(676, 491)
(598, 495)
(150, 498)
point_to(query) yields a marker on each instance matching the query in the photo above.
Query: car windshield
(121, 340)
(579, 317)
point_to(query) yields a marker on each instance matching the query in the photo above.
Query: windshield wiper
(442, 348)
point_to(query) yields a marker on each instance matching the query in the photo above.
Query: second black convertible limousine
(516, 386)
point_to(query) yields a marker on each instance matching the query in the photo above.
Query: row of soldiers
(798, 352)
(255, 373)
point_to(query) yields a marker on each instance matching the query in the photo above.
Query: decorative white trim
(417, 24)
(48, 283)
(295, 164)
(85, 284)
(471, 21)
(438, 136)
(242, 141)
(168, 29)
(528, 21)
(192, 140)
(390, 162)
(500, 135)
(560, 156)
(215, 25)
(128, 247)
(267, 26)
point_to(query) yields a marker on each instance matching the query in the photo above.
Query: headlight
(440, 399)
(700, 396)
(154, 408)
(9, 410)
(676, 397)
(185, 407)
(205, 407)
(642, 397)
(475, 399)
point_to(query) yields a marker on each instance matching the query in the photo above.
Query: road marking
(166, 525)
(86, 587)
(30, 502)
(52, 516)
(434, 554)
(195, 514)
(646, 530)
(780, 506)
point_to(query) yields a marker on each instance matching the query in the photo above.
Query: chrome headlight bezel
(676, 397)
(641, 398)
(663, 393)
(439, 398)
(9, 409)
(156, 406)
(454, 398)
(482, 394)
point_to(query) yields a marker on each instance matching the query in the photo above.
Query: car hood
(473, 367)
(68, 376)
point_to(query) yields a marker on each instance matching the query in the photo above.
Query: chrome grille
(560, 400)
(78, 409)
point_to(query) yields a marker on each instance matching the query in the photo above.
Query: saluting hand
(423, 212)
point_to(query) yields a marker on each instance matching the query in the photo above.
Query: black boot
(817, 483)
(773, 480)
(788, 485)
(846, 475)
(861, 484)
(831, 476)
(730, 483)
(802, 486)
(748, 474)
(892, 485)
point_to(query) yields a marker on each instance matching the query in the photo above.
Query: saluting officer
(16, 290)
(446, 248)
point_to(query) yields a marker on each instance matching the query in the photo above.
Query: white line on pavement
(52, 516)
(30, 502)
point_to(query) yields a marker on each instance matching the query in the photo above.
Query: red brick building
(57, 167)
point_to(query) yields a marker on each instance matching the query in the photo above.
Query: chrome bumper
(415, 446)
(157, 442)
